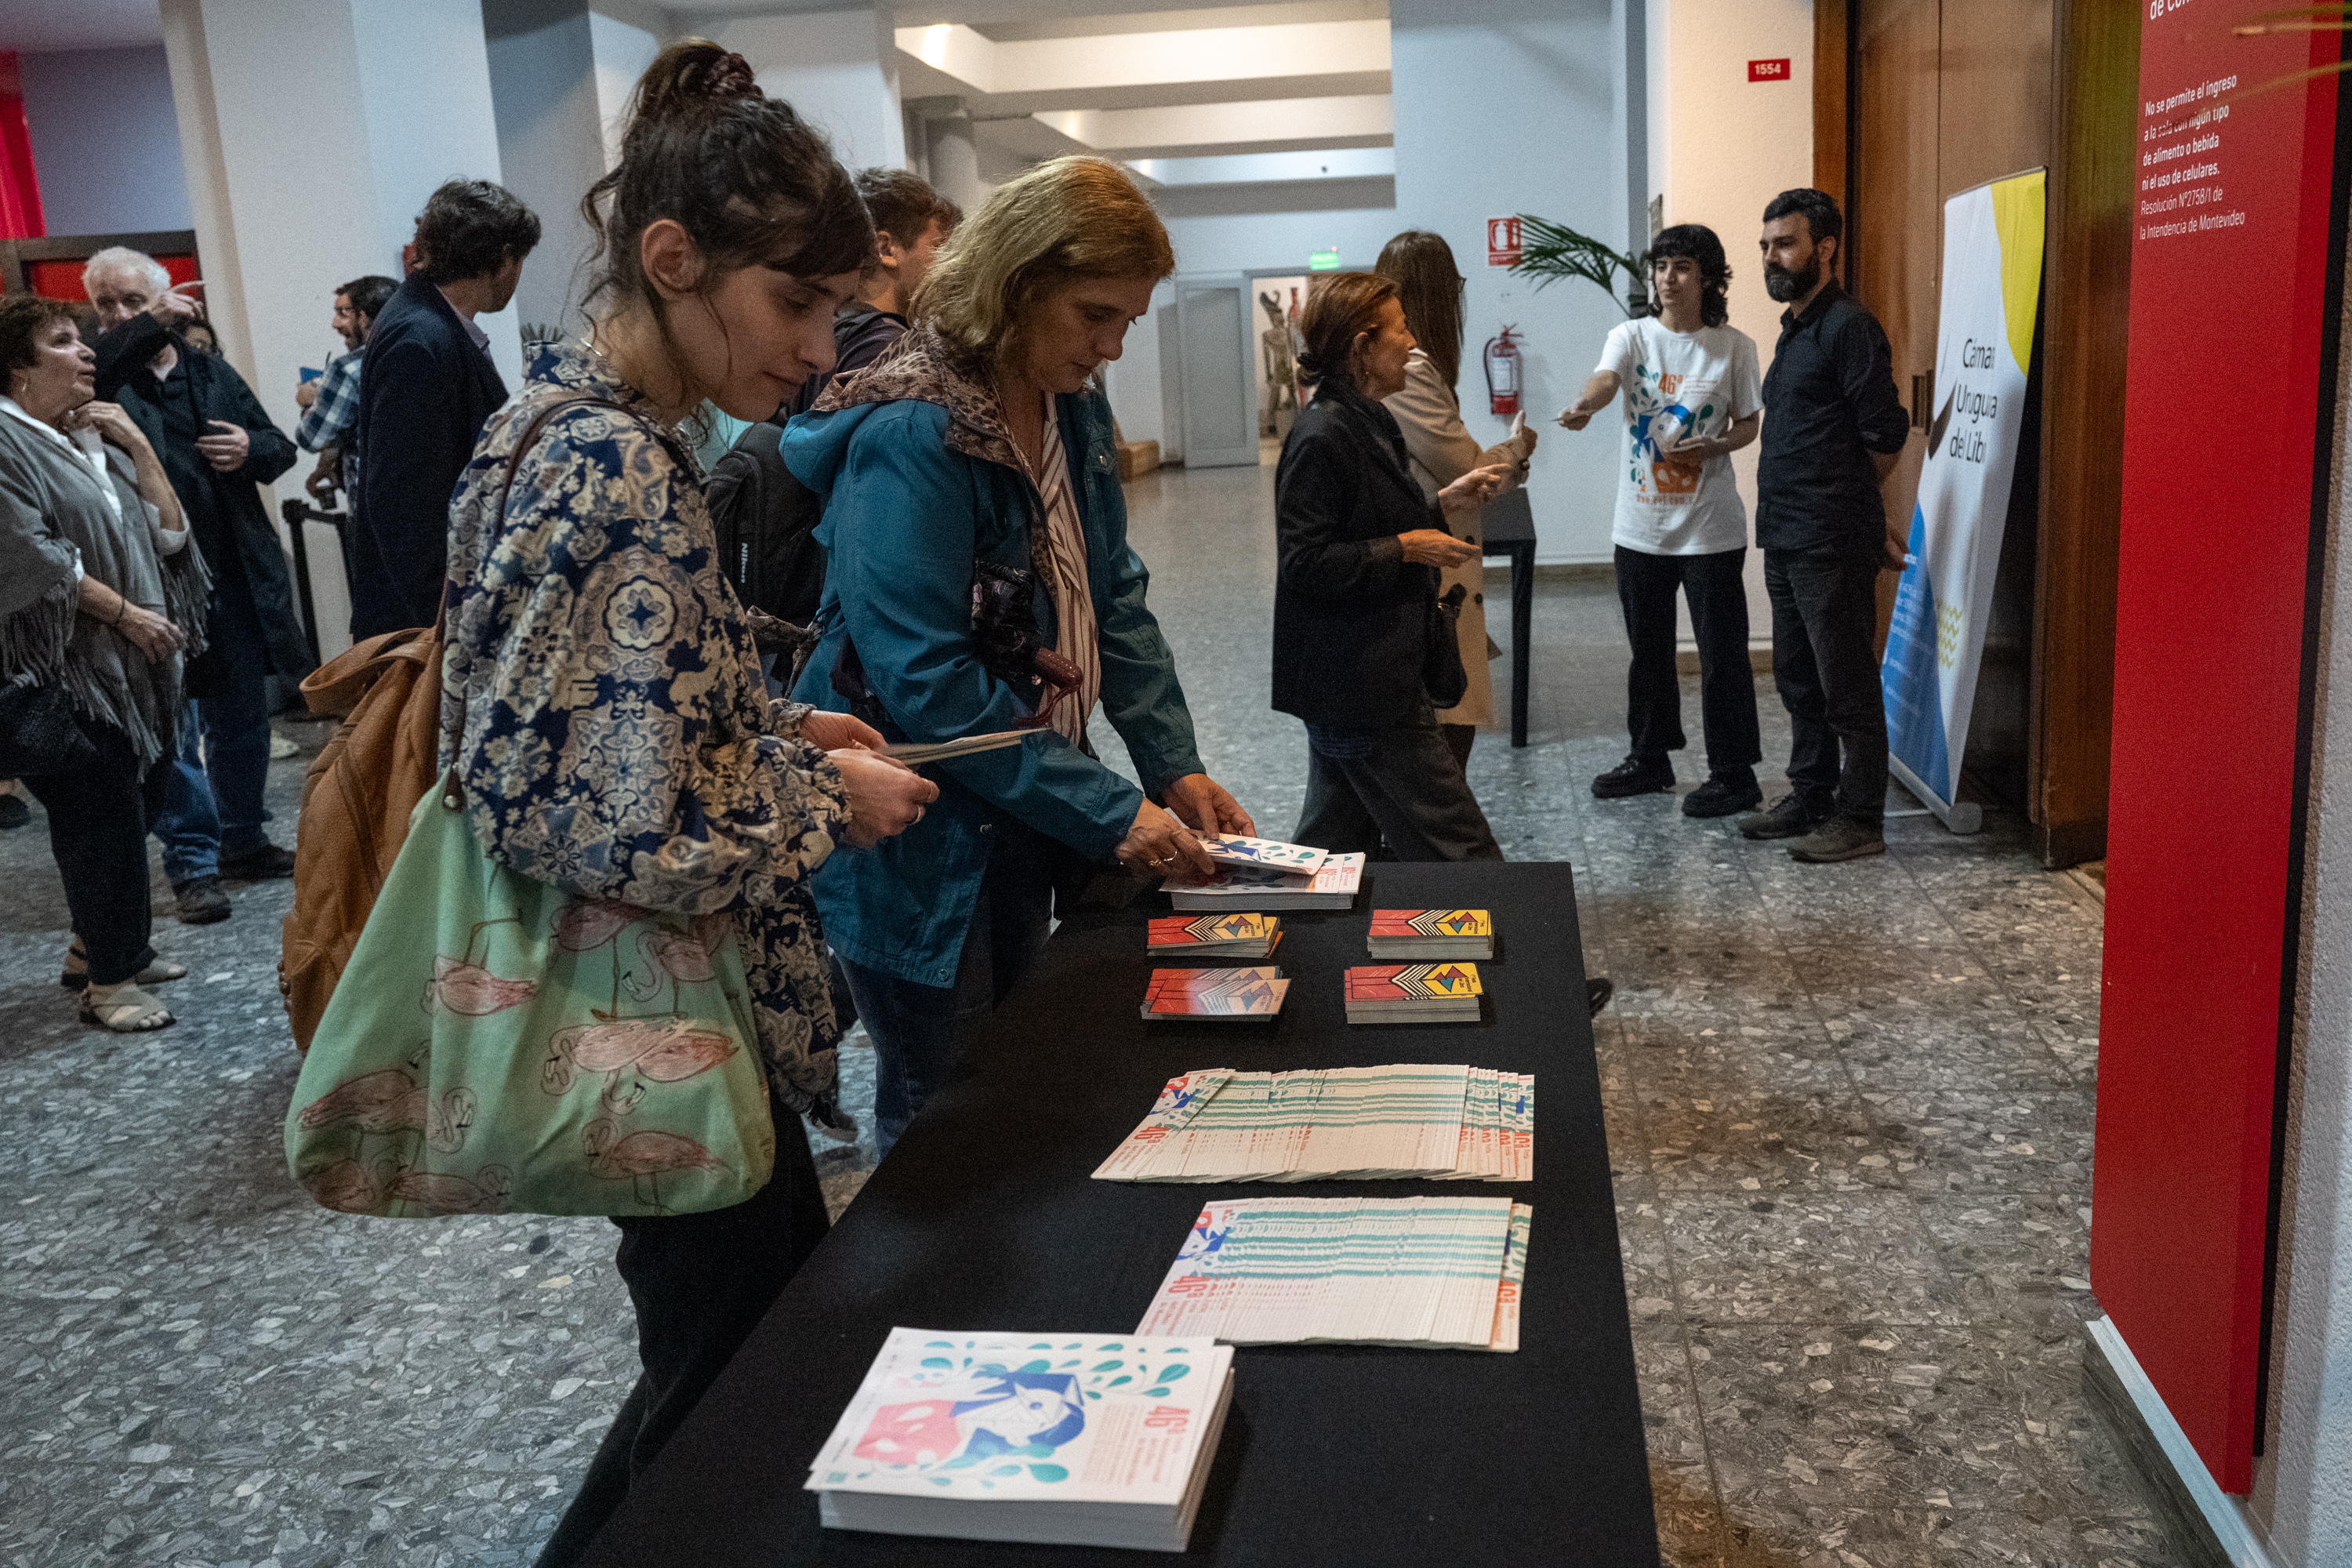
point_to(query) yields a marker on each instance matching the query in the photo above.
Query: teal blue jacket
(919, 483)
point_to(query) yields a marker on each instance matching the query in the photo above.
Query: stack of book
(1414, 994)
(1218, 995)
(1430, 933)
(1058, 1439)
(1330, 885)
(1330, 1123)
(1439, 1273)
(1234, 935)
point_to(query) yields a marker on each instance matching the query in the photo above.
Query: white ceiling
(36, 26)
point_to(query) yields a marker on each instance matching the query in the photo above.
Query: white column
(954, 163)
(544, 85)
(2301, 1497)
(313, 132)
(839, 69)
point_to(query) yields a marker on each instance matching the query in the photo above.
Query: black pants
(700, 1284)
(1824, 611)
(1401, 787)
(97, 835)
(1727, 685)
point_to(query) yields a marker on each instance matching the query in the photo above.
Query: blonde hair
(1061, 221)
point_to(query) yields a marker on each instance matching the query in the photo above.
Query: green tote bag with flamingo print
(498, 1046)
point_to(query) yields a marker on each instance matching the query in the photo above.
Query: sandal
(77, 971)
(124, 1008)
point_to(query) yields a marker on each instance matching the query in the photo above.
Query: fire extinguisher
(1502, 357)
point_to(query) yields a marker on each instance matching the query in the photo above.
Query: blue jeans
(234, 716)
(921, 1032)
(188, 824)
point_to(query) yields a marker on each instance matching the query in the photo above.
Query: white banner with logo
(1984, 350)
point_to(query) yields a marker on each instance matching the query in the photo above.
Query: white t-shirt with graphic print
(1697, 384)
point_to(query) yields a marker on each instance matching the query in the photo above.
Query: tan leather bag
(364, 783)
(356, 800)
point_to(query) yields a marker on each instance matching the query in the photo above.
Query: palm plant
(1550, 251)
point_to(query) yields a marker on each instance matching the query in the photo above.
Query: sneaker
(14, 812)
(1720, 796)
(1784, 818)
(202, 902)
(263, 865)
(1839, 838)
(1635, 776)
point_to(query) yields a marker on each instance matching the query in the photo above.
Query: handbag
(39, 735)
(499, 1045)
(1441, 655)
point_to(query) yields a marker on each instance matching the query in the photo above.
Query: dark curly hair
(369, 295)
(23, 319)
(750, 182)
(904, 205)
(1823, 219)
(1696, 242)
(470, 229)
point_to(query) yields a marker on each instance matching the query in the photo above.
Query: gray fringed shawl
(51, 506)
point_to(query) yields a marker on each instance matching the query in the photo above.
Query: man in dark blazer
(217, 446)
(427, 389)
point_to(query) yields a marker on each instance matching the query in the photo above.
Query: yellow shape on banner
(1951, 626)
(2017, 218)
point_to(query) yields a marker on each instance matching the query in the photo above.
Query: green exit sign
(1323, 261)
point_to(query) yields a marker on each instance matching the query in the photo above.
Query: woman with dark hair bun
(603, 712)
(1692, 397)
(1356, 634)
(1440, 448)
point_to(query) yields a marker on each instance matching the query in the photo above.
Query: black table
(984, 1216)
(1510, 530)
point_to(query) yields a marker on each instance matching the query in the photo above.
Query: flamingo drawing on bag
(462, 986)
(641, 1159)
(389, 1100)
(634, 1052)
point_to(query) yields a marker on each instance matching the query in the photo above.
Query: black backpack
(766, 522)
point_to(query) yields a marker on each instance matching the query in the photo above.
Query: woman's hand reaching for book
(886, 797)
(1161, 845)
(1203, 804)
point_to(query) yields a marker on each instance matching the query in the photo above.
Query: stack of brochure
(1234, 935)
(1330, 885)
(1234, 849)
(1414, 994)
(1329, 1123)
(1430, 933)
(1217, 995)
(1439, 1273)
(1057, 1439)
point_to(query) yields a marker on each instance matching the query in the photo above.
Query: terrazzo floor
(1850, 1119)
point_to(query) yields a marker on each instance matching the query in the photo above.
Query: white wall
(839, 69)
(402, 90)
(1240, 242)
(105, 141)
(1511, 105)
(622, 49)
(1721, 147)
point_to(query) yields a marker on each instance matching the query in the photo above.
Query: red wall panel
(2230, 295)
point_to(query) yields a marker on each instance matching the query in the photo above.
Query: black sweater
(1351, 613)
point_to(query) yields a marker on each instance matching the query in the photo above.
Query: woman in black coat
(1353, 630)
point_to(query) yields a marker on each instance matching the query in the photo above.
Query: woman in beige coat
(1441, 448)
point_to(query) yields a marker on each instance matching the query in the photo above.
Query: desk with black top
(985, 1217)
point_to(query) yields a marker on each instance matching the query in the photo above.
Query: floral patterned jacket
(603, 704)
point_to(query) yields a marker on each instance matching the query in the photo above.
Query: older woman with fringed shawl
(102, 595)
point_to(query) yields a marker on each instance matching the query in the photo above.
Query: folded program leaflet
(1430, 1273)
(1332, 885)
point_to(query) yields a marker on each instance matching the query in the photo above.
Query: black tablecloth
(984, 1217)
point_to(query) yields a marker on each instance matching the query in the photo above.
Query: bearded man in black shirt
(1833, 427)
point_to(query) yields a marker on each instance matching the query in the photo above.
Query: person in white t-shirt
(1692, 399)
